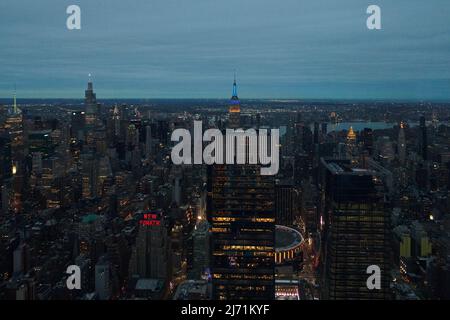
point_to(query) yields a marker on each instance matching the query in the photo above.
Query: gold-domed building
(351, 136)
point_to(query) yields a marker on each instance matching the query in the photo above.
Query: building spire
(234, 85)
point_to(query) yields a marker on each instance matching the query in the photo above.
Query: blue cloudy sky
(190, 48)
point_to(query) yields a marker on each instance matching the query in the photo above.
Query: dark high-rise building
(307, 139)
(5, 158)
(240, 209)
(324, 128)
(287, 203)
(90, 102)
(367, 140)
(298, 133)
(200, 245)
(422, 177)
(150, 255)
(401, 144)
(316, 132)
(77, 124)
(302, 168)
(162, 131)
(356, 233)
(423, 139)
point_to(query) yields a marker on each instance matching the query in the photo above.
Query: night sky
(190, 48)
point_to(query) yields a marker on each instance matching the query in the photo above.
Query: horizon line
(447, 100)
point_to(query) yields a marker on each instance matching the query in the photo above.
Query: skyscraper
(356, 233)
(235, 108)
(298, 134)
(200, 243)
(102, 279)
(5, 157)
(116, 120)
(150, 256)
(401, 144)
(351, 143)
(148, 141)
(240, 209)
(89, 174)
(90, 102)
(287, 202)
(423, 139)
(316, 132)
(367, 140)
(14, 126)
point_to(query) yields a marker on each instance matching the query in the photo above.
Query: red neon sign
(150, 219)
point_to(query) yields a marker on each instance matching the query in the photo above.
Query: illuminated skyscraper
(235, 108)
(14, 125)
(89, 172)
(240, 209)
(200, 243)
(5, 158)
(351, 142)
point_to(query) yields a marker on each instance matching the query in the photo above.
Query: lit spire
(234, 86)
(235, 108)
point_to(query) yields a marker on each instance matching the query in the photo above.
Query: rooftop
(149, 284)
(286, 238)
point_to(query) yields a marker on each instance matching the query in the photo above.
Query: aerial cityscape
(92, 184)
(244, 194)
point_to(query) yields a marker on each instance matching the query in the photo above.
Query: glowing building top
(235, 108)
(234, 102)
(351, 135)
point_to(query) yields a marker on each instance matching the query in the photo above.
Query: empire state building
(235, 108)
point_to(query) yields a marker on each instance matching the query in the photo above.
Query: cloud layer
(190, 48)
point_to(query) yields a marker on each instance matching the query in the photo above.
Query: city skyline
(15, 95)
(94, 188)
(236, 154)
(319, 50)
